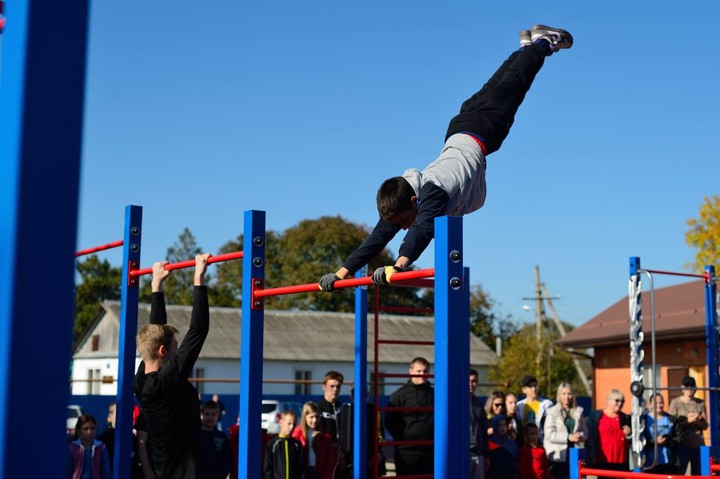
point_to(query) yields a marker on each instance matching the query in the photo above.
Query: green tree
(178, 287)
(526, 354)
(306, 251)
(484, 323)
(704, 234)
(98, 282)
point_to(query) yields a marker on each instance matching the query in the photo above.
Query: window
(95, 342)
(89, 381)
(199, 385)
(303, 387)
(94, 381)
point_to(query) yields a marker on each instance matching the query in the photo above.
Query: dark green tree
(485, 323)
(302, 254)
(98, 282)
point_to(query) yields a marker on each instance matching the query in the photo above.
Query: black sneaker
(525, 38)
(557, 38)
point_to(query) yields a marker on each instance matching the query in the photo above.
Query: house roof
(289, 335)
(679, 313)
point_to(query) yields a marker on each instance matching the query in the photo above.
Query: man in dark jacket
(329, 407)
(478, 431)
(413, 425)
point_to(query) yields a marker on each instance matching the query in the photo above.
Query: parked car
(73, 413)
(272, 410)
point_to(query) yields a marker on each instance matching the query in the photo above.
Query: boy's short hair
(333, 375)
(151, 337)
(420, 360)
(394, 195)
(289, 413)
(209, 405)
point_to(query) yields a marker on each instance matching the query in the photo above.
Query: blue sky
(200, 111)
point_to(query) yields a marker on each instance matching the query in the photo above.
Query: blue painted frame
(44, 47)
(359, 399)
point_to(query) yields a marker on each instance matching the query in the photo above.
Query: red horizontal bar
(190, 263)
(114, 244)
(673, 273)
(586, 471)
(418, 283)
(400, 341)
(342, 283)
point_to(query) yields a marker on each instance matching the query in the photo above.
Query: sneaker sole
(566, 39)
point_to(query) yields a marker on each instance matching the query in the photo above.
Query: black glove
(327, 282)
(382, 275)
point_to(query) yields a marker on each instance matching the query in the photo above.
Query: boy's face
(331, 389)
(405, 218)
(287, 423)
(209, 418)
(418, 368)
(530, 391)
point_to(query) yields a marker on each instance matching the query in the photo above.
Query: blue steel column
(359, 399)
(129, 297)
(251, 346)
(41, 110)
(452, 355)
(711, 345)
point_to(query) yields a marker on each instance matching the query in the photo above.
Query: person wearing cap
(691, 421)
(532, 408)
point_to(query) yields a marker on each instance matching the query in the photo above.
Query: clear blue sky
(200, 111)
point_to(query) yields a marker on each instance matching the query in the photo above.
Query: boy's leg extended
(490, 112)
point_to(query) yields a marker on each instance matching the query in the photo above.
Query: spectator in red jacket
(533, 459)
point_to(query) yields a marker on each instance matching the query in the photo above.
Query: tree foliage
(99, 282)
(302, 254)
(526, 354)
(484, 323)
(704, 234)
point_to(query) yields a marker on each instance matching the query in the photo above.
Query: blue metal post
(41, 109)
(359, 399)
(129, 297)
(575, 455)
(251, 345)
(452, 353)
(711, 345)
(706, 460)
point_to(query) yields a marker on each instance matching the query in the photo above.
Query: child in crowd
(89, 458)
(533, 459)
(503, 451)
(320, 455)
(284, 457)
(215, 454)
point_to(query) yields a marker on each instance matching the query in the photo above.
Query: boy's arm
(158, 314)
(380, 236)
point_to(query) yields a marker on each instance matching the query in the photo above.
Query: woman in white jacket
(564, 427)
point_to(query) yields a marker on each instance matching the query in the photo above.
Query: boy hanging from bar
(453, 184)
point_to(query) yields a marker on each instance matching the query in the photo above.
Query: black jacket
(412, 426)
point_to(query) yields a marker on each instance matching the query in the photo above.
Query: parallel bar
(87, 251)
(587, 471)
(189, 263)
(712, 346)
(343, 283)
(674, 273)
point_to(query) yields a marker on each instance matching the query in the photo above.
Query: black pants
(490, 112)
(559, 470)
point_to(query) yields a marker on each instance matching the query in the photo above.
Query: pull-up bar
(114, 244)
(705, 276)
(189, 263)
(343, 283)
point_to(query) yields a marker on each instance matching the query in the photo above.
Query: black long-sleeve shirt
(170, 403)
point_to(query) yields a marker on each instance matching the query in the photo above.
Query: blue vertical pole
(129, 297)
(251, 345)
(711, 345)
(359, 399)
(452, 353)
(575, 455)
(705, 460)
(41, 109)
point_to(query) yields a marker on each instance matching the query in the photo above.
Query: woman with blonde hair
(320, 455)
(564, 428)
(494, 406)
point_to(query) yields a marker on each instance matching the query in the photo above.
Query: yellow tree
(704, 234)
